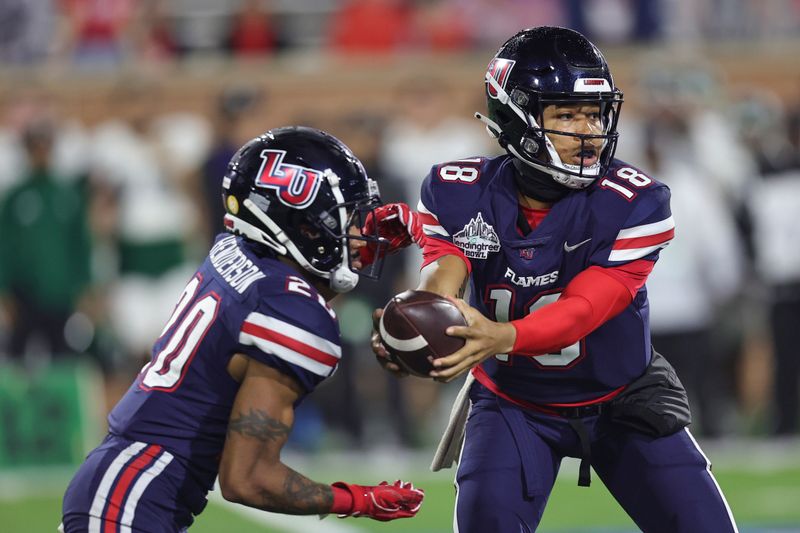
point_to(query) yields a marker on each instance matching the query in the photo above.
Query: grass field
(762, 487)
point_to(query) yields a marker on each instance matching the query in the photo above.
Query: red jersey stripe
(431, 220)
(123, 484)
(643, 242)
(484, 379)
(290, 343)
(434, 249)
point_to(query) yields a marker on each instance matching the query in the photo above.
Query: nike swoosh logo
(568, 248)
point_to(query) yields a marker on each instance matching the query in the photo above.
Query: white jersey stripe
(286, 354)
(100, 497)
(299, 334)
(434, 230)
(634, 253)
(713, 479)
(646, 230)
(139, 487)
(422, 209)
(431, 229)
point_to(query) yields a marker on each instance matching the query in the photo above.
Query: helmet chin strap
(342, 279)
(253, 233)
(339, 281)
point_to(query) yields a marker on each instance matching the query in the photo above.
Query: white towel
(450, 444)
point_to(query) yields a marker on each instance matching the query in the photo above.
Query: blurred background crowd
(118, 117)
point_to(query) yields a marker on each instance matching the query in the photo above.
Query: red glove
(383, 502)
(396, 223)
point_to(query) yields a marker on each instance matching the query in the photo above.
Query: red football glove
(396, 223)
(383, 502)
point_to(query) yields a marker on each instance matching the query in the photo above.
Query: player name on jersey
(233, 265)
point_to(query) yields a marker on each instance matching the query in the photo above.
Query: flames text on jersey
(531, 281)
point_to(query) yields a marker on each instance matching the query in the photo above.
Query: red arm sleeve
(433, 249)
(590, 299)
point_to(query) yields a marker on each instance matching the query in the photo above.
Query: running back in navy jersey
(622, 217)
(237, 302)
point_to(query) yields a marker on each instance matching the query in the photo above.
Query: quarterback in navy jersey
(555, 241)
(250, 337)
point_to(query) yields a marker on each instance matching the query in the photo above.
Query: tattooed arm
(251, 472)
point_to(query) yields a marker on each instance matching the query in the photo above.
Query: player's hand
(397, 224)
(383, 502)
(484, 337)
(381, 354)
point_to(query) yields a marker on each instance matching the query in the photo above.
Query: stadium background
(142, 100)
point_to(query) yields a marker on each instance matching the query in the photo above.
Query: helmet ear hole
(530, 146)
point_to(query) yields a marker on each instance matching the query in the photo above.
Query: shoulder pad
(296, 329)
(623, 190)
(631, 212)
(451, 186)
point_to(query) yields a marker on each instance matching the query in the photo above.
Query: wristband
(342, 501)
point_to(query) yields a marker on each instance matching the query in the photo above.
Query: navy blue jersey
(237, 302)
(622, 217)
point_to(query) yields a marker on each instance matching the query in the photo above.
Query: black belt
(581, 411)
(575, 416)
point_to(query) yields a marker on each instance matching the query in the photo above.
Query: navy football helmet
(543, 66)
(301, 192)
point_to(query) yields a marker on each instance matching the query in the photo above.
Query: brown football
(413, 327)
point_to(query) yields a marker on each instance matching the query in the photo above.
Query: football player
(556, 240)
(250, 337)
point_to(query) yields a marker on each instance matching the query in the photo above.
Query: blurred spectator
(440, 26)
(232, 105)
(389, 414)
(690, 95)
(773, 206)
(12, 155)
(200, 27)
(492, 21)
(776, 203)
(146, 158)
(98, 31)
(617, 21)
(762, 123)
(427, 129)
(44, 250)
(371, 26)
(28, 104)
(697, 318)
(152, 32)
(700, 273)
(26, 30)
(251, 30)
